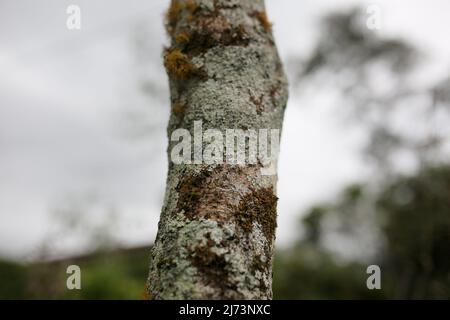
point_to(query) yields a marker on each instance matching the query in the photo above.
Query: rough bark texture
(217, 226)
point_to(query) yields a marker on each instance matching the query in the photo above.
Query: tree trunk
(217, 226)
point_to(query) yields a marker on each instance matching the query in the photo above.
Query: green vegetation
(13, 279)
(410, 215)
(118, 274)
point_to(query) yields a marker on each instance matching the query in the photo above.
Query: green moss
(211, 194)
(191, 190)
(214, 269)
(258, 206)
(205, 29)
(213, 32)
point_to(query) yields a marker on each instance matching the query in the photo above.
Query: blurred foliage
(417, 231)
(116, 274)
(305, 271)
(13, 279)
(346, 43)
(412, 217)
(375, 81)
(399, 219)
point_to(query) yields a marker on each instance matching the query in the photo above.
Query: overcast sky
(65, 96)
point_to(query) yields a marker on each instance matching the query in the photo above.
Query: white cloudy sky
(64, 97)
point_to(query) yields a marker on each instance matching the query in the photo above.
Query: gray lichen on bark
(217, 227)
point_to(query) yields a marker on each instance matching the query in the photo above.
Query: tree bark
(217, 226)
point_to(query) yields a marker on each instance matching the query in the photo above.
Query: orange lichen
(146, 295)
(177, 63)
(178, 108)
(190, 18)
(172, 15)
(263, 19)
(191, 6)
(182, 38)
(174, 11)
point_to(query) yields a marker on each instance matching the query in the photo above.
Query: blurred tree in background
(416, 213)
(411, 217)
(400, 219)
